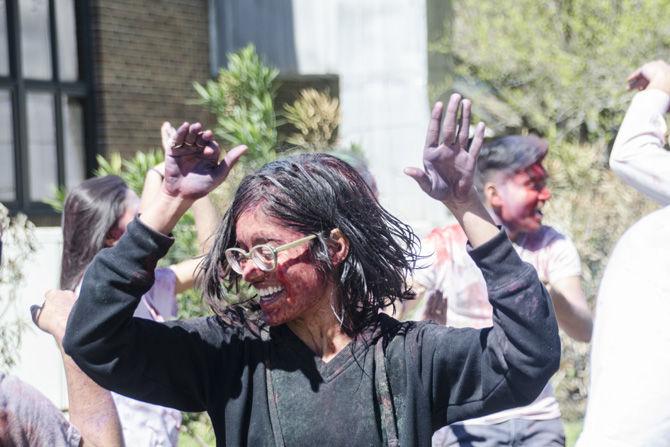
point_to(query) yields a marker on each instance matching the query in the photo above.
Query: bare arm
(572, 311)
(92, 409)
(206, 220)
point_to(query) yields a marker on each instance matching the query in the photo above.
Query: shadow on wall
(268, 24)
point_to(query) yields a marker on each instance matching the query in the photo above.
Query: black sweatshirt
(436, 375)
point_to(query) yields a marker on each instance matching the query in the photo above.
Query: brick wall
(147, 54)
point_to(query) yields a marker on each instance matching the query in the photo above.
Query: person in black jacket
(312, 359)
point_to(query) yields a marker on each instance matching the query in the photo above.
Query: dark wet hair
(91, 209)
(508, 155)
(314, 194)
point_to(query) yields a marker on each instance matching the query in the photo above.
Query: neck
(320, 330)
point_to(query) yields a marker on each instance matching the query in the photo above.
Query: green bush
(316, 116)
(242, 100)
(18, 236)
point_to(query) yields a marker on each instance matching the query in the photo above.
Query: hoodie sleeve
(170, 364)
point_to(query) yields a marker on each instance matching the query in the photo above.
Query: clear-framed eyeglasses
(264, 256)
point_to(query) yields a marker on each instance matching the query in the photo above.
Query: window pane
(73, 127)
(7, 190)
(68, 64)
(42, 161)
(35, 42)
(4, 54)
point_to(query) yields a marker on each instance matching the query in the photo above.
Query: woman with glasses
(311, 360)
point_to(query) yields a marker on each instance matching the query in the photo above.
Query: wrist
(460, 207)
(163, 213)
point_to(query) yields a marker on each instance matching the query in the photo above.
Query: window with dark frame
(46, 101)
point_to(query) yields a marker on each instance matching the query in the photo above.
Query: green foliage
(554, 67)
(132, 170)
(18, 236)
(316, 116)
(242, 99)
(58, 200)
(558, 68)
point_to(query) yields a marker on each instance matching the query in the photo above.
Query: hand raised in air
(448, 165)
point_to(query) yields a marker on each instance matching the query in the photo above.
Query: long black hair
(314, 194)
(91, 209)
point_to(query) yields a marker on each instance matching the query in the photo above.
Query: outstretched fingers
(433, 133)
(477, 142)
(451, 119)
(464, 130)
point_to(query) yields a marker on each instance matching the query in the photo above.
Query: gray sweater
(272, 389)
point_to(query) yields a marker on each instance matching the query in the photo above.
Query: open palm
(448, 167)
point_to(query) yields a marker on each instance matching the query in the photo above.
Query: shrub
(316, 116)
(18, 235)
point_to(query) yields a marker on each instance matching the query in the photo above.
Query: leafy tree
(555, 67)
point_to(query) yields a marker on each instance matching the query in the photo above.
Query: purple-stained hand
(192, 166)
(448, 166)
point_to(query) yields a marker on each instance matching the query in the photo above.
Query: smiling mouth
(269, 295)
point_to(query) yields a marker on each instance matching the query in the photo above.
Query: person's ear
(113, 236)
(338, 247)
(492, 195)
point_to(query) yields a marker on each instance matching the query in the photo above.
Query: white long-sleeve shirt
(629, 393)
(638, 155)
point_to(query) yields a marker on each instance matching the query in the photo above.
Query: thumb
(231, 158)
(420, 177)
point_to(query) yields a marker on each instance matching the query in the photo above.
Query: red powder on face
(283, 280)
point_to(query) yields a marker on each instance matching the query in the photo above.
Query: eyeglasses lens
(264, 257)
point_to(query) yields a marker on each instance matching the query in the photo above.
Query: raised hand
(448, 167)
(655, 74)
(192, 166)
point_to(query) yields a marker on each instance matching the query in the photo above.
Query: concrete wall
(39, 360)
(378, 48)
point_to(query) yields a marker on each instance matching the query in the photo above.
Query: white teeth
(268, 291)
